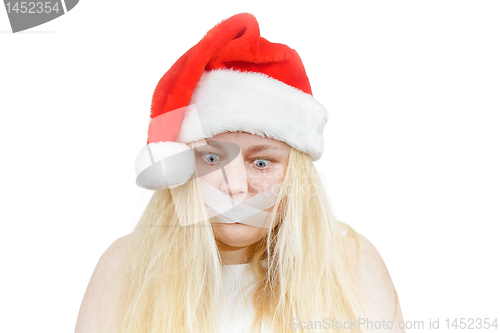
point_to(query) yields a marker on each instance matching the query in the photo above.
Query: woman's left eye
(260, 164)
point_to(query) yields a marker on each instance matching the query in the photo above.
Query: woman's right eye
(210, 158)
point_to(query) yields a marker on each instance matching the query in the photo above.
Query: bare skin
(250, 173)
(260, 165)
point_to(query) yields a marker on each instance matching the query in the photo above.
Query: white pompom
(164, 165)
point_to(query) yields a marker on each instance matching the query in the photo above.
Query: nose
(235, 182)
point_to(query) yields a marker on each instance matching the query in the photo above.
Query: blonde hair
(173, 274)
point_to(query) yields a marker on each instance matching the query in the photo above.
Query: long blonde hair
(173, 274)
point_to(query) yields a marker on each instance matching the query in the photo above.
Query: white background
(412, 154)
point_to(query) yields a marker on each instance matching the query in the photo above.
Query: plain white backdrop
(412, 145)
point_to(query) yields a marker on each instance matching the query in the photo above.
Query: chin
(237, 234)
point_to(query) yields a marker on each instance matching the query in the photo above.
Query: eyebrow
(250, 150)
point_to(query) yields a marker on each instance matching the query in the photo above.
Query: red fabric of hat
(232, 44)
(232, 80)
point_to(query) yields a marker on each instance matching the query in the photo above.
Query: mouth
(231, 223)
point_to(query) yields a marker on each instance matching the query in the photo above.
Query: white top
(237, 312)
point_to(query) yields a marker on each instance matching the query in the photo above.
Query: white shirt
(237, 312)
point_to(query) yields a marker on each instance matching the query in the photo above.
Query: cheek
(262, 181)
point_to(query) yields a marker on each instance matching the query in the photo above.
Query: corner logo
(28, 14)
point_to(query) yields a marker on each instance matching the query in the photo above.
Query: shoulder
(116, 250)
(111, 262)
(99, 304)
(371, 260)
(378, 295)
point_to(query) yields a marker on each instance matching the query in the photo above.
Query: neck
(231, 255)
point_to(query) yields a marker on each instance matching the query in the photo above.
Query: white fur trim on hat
(231, 101)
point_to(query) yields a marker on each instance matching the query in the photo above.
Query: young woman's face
(261, 164)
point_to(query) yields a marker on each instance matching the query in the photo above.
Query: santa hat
(232, 80)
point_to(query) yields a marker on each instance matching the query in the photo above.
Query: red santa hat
(232, 80)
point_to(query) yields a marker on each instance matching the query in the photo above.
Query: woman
(239, 233)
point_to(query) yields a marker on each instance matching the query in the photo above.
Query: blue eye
(211, 159)
(261, 165)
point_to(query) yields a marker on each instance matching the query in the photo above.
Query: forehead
(246, 139)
